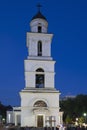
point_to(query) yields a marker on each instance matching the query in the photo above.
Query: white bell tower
(39, 98)
(39, 55)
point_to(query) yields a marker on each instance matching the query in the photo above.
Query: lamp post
(85, 117)
(76, 123)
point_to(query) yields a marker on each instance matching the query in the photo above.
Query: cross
(39, 6)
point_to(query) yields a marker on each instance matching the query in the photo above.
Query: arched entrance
(40, 109)
(40, 120)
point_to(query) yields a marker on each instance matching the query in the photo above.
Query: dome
(39, 15)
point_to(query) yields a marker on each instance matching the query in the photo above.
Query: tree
(74, 107)
(3, 110)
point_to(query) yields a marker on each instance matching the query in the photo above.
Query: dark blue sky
(67, 21)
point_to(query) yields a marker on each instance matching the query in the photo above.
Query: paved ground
(10, 128)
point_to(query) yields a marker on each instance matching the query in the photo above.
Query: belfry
(39, 98)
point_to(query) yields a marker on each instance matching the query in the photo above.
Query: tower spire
(39, 7)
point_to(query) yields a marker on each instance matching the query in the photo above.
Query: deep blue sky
(67, 21)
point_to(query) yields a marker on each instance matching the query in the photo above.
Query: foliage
(80, 120)
(74, 107)
(68, 120)
(3, 110)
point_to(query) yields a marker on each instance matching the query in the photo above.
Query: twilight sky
(67, 20)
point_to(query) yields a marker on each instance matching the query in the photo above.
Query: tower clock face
(39, 81)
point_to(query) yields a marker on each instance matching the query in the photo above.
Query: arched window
(39, 29)
(40, 78)
(39, 48)
(40, 103)
(40, 70)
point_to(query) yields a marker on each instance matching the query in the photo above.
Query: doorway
(40, 121)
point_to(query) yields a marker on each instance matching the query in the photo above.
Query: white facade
(14, 116)
(39, 98)
(32, 41)
(39, 64)
(30, 70)
(41, 22)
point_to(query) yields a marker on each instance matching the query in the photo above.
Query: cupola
(39, 23)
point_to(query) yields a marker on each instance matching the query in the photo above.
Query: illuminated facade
(39, 98)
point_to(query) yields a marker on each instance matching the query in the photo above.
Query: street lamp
(84, 114)
(76, 122)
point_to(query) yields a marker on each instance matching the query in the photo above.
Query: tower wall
(38, 22)
(32, 41)
(39, 98)
(30, 71)
(29, 112)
